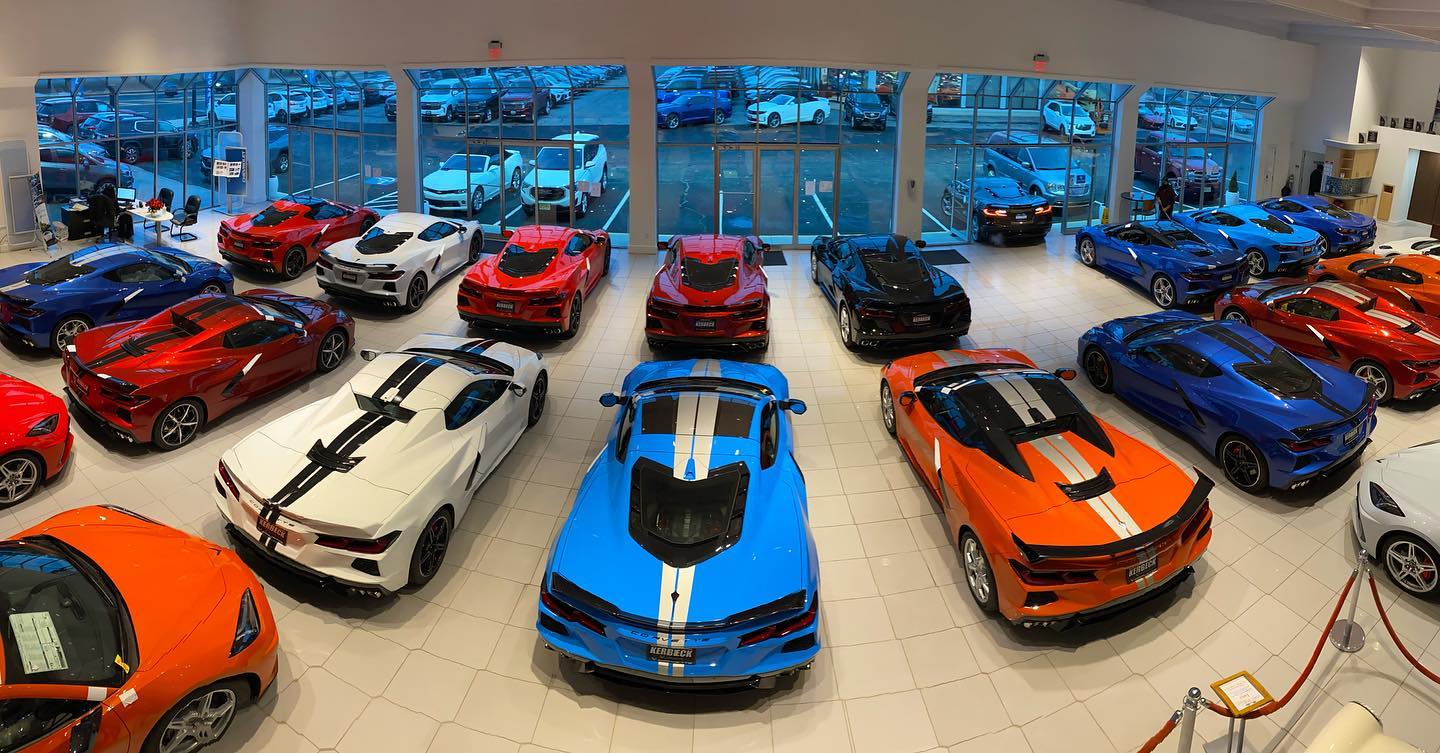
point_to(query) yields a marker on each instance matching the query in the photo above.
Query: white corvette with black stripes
(400, 259)
(362, 490)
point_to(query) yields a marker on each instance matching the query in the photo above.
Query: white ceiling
(1375, 23)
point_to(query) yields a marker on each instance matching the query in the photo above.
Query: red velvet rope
(1158, 737)
(1391, 630)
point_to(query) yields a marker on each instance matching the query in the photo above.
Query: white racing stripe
(1072, 465)
(1021, 396)
(13, 286)
(953, 358)
(1340, 290)
(676, 587)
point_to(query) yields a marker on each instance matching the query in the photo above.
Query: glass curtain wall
(786, 153)
(1046, 137)
(148, 133)
(1202, 142)
(521, 145)
(331, 134)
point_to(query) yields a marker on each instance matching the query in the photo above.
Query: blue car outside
(1342, 232)
(687, 557)
(46, 304)
(1165, 258)
(674, 109)
(1270, 244)
(1269, 418)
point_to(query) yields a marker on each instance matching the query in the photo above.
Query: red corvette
(159, 380)
(288, 236)
(540, 279)
(1394, 349)
(35, 438)
(709, 291)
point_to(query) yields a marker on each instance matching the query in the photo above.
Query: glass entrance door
(776, 191)
(735, 190)
(783, 194)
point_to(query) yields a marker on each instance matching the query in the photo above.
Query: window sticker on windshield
(39, 644)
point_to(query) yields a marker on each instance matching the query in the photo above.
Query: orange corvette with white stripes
(1059, 517)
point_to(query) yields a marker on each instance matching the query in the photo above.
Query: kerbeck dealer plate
(504, 305)
(671, 654)
(704, 324)
(1022, 216)
(920, 319)
(1350, 435)
(272, 530)
(1143, 567)
(349, 277)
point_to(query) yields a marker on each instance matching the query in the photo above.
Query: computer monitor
(125, 194)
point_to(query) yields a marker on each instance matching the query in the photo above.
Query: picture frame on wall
(1409, 124)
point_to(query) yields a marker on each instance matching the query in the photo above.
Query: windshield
(783, 99)
(64, 622)
(1065, 108)
(1049, 159)
(556, 158)
(275, 310)
(271, 216)
(458, 161)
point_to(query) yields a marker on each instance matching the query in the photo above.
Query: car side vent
(326, 458)
(133, 348)
(1090, 488)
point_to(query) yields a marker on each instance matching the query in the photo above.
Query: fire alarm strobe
(1041, 60)
(495, 47)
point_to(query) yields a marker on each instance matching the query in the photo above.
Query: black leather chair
(184, 218)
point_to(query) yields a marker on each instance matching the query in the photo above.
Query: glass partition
(1203, 143)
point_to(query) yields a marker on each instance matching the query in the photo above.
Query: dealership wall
(1085, 39)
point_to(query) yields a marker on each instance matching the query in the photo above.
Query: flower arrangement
(154, 205)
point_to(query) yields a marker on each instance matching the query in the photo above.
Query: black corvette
(884, 290)
(999, 210)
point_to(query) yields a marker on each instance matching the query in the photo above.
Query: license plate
(920, 318)
(349, 277)
(1351, 435)
(1226, 278)
(671, 654)
(1142, 568)
(237, 244)
(704, 324)
(272, 530)
(504, 305)
(1022, 216)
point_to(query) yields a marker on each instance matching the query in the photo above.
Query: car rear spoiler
(1199, 494)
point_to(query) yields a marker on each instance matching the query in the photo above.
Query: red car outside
(540, 279)
(1393, 348)
(288, 236)
(35, 438)
(161, 379)
(127, 636)
(710, 290)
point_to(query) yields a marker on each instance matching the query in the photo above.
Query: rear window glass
(1273, 224)
(708, 277)
(62, 269)
(1283, 375)
(271, 216)
(517, 261)
(678, 413)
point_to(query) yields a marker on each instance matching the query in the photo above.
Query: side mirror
(518, 389)
(919, 244)
(83, 734)
(797, 407)
(369, 354)
(610, 399)
(1066, 374)
(907, 398)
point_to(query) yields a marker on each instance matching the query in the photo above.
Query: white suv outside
(550, 184)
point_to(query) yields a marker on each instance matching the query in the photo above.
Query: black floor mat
(775, 258)
(945, 256)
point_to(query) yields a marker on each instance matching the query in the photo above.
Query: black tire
(65, 331)
(1163, 292)
(477, 246)
(293, 264)
(1085, 249)
(814, 267)
(672, 121)
(282, 163)
(887, 407)
(1098, 369)
(516, 176)
(605, 261)
(845, 321)
(721, 116)
(130, 153)
(572, 327)
(477, 200)
(331, 354)
(238, 692)
(21, 474)
(366, 224)
(538, 392)
(582, 207)
(774, 120)
(1234, 314)
(188, 415)
(1378, 377)
(979, 575)
(1405, 557)
(416, 291)
(1242, 463)
(430, 547)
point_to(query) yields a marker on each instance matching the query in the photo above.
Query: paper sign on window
(40, 649)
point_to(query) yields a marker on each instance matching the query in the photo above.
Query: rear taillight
(229, 482)
(1197, 521)
(395, 275)
(989, 212)
(658, 311)
(1051, 577)
(781, 629)
(1043, 209)
(124, 398)
(1304, 445)
(325, 262)
(566, 612)
(359, 546)
(547, 300)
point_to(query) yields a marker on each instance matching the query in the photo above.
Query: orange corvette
(122, 635)
(1409, 280)
(1059, 517)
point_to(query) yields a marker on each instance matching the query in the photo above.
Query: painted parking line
(821, 206)
(618, 207)
(512, 212)
(942, 225)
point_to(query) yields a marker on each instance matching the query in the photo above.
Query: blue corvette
(1269, 243)
(687, 558)
(1341, 232)
(1269, 418)
(46, 304)
(1163, 257)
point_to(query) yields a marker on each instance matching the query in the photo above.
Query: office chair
(184, 218)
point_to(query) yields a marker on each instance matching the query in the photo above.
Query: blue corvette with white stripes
(1163, 257)
(1269, 418)
(1270, 244)
(687, 559)
(46, 304)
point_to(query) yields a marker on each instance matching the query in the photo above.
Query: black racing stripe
(477, 346)
(1226, 337)
(399, 374)
(1328, 403)
(360, 431)
(414, 379)
(137, 343)
(212, 307)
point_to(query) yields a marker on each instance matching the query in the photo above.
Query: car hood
(551, 178)
(455, 180)
(435, 99)
(868, 109)
(22, 405)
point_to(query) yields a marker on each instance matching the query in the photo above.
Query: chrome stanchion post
(1230, 737)
(1240, 736)
(1345, 635)
(1188, 708)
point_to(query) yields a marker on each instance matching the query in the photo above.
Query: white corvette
(783, 109)
(1397, 516)
(473, 179)
(362, 490)
(400, 258)
(1420, 245)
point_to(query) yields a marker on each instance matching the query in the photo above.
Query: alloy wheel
(180, 424)
(1256, 262)
(887, 407)
(1411, 566)
(1164, 292)
(1236, 315)
(332, 351)
(845, 325)
(477, 200)
(18, 478)
(202, 721)
(433, 543)
(212, 287)
(1097, 368)
(68, 330)
(1241, 464)
(416, 294)
(294, 263)
(1323, 245)
(1375, 376)
(977, 570)
(1087, 252)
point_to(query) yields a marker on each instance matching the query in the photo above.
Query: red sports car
(540, 279)
(709, 291)
(288, 236)
(159, 380)
(1394, 349)
(34, 438)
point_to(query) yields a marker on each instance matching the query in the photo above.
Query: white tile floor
(911, 666)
